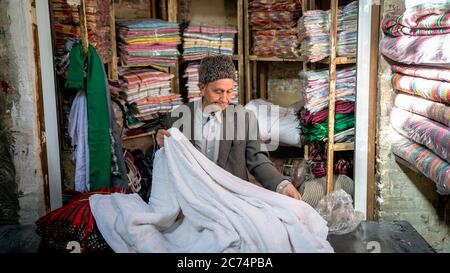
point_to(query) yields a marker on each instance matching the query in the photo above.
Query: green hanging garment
(97, 111)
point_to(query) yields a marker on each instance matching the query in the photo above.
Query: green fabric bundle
(318, 132)
(99, 140)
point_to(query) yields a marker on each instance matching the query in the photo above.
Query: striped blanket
(433, 110)
(433, 135)
(425, 161)
(430, 24)
(426, 72)
(438, 91)
(426, 50)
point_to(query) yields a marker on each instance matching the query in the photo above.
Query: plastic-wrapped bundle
(433, 135)
(282, 124)
(148, 42)
(431, 165)
(337, 209)
(282, 43)
(274, 5)
(315, 87)
(347, 30)
(314, 33)
(201, 41)
(259, 20)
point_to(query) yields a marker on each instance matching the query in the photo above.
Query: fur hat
(216, 67)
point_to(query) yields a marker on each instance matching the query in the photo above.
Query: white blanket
(196, 206)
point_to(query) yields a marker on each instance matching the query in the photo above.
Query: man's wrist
(282, 185)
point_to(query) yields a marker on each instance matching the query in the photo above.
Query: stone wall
(18, 103)
(401, 193)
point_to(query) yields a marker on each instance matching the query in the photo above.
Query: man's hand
(291, 191)
(160, 137)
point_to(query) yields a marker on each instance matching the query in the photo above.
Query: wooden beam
(263, 80)
(344, 146)
(172, 14)
(332, 96)
(274, 59)
(371, 151)
(83, 27)
(240, 51)
(113, 69)
(247, 63)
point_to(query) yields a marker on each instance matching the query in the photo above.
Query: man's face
(217, 93)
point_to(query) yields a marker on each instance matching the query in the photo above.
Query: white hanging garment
(196, 206)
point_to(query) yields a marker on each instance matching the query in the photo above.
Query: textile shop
(345, 129)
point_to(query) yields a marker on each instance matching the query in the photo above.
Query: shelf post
(332, 96)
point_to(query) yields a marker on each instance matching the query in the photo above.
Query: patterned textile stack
(67, 24)
(191, 73)
(274, 25)
(314, 33)
(314, 116)
(201, 41)
(417, 40)
(148, 94)
(148, 42)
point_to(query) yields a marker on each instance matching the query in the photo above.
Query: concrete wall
(401, 193)
(18, 103)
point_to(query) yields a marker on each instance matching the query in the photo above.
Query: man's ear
(202, 88)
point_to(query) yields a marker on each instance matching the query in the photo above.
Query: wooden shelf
(138, 136)
(339, 60)
(346, 146)
(274, 59)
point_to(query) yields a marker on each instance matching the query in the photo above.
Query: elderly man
(209, 121)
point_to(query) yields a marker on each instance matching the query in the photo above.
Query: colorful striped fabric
(426, 72)
(438, 91)
(433, 110)
(425, 161)
(426, 50)
(430, 24)
(420, 15)
(433, 135)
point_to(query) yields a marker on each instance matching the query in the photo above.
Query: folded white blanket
(219, 212)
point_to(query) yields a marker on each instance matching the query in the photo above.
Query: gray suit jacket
(234, 152)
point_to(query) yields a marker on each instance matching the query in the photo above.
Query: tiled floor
(19, 239)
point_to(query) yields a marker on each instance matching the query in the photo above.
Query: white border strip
(50, 106)
(362, 104)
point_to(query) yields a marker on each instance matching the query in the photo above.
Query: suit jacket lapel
(225, 144)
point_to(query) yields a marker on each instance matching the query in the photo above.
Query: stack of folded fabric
(202, 40)
(314, 116)
(67, 24)
(148, 42)
(417, 40)
(191, 73)
(419, 35)
(347, 30)
(148, 94)
(274, 24)
(314, 33)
